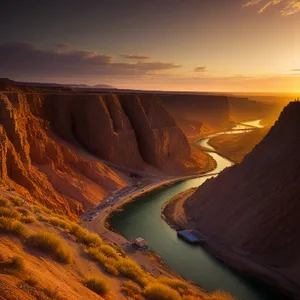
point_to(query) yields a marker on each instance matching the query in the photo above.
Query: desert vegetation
(52, 244)
(98, 285)
(9, 225)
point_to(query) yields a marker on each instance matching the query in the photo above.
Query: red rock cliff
(43, 167)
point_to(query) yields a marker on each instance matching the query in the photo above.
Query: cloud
(295, 70)
(200, 69)
(289, 6)
(134, 56)
(63, 61)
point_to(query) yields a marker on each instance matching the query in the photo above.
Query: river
(143, 218)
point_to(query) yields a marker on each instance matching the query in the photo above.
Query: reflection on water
(142, 218)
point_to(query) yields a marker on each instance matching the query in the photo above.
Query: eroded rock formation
(43, 167)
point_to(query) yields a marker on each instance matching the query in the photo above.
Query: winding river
(143, 218)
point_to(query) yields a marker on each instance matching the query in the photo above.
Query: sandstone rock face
(97, 122)
(192, 111)
(41, 166)
(159, 138)
(254, 207)
(56, 146)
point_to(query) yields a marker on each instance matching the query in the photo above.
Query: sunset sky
(192, 45)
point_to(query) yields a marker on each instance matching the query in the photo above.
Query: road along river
(143, 218)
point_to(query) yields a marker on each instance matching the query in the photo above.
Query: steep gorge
(57, 146)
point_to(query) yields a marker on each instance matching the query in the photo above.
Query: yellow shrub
(9, 225)
(132, 270)
(12, 265)
(84, 236)
(4, 202)
(58, 222)
(98, 285)
(28, 219)
(158, 291)
(108, 263)
(52, 244)
(9, 213)
(131, 289)
(25, 212)
(109, 251)
(175, 284)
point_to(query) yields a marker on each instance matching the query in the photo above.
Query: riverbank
(173, 212)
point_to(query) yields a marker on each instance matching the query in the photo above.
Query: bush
(52, 293)
(109, 251)
(132, 270)
(4, 202)
(9, 213)
(9, 225)
(14, 264)
(25, 212)
(98, 285)
(16, 200)
(31, 281)
(52, 244)
(131, 289)
(84, 236)
(108, 263)
(28, 220)
(158, 291)
(175, 284)
(58, 222)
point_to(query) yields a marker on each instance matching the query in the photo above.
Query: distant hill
(47, 85)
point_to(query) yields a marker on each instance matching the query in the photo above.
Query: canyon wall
(41, 166)
(192, 111)
(253, 208)
(57, 146)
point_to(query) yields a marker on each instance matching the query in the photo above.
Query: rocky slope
(253, 208)
(41, 166)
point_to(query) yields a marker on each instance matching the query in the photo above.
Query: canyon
(70, 149)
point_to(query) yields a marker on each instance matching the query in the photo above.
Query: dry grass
(24, 211)
(53, 293)
(130, 269)
(58, 222)
(5, 202)
(12, 265)
(16, 200)
(108, 263)
(131, 289)
(83, 236)
(8, 225)
(158, 291)
(98, 285)
(9, 213)
(31, 281)
(175, 284)
(109, 251)
(52, 244)
(28, 219)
